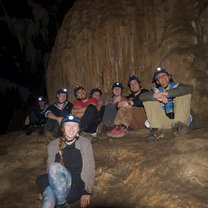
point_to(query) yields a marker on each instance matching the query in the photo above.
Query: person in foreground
(167, 106)
(71, 168)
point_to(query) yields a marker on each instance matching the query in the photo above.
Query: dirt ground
(130, 172)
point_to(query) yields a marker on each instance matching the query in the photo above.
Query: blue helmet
(133, 77)
(158, 71)
(70, 118)
(117, 84)
(62, 90)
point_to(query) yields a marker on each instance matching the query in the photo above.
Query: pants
(133, 117)
(90, 119)
(109, 115)
(53, 126)
(60, 183)
(157, 117)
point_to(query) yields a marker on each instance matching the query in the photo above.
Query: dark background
(28, 32)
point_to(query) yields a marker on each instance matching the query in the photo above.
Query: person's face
(61, 97)
(117, 91)
(134, 86)
(41, 104)
(163, 79)
(81, 94)
(96, 95)
(70, 129)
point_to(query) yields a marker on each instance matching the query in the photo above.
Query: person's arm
(88, 170)
(53, 148)
(50, 115)
(78, 111)
(180, 90)
(27, 121)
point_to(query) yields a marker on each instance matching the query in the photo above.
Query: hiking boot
(118, 131)
(180, 129)
(155, 134)
(30, 129)
(101, 129)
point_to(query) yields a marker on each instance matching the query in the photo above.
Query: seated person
(97, 93)
(111, 109)
(35, 118)
(56, 112)
(71, 168)
(86, 109)
(131, 112)
(167, 106)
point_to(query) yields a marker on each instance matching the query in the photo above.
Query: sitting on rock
(131, 112)
(97, 93)
(35, 118)
(87, 110)
(56, 112)
(71, 168)
(111, 109)
(167, 106)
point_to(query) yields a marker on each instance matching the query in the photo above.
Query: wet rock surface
(130, 172)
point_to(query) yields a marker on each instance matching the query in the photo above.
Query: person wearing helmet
(56, 112)
(167, 106)
(71, 168)
(111, 109)
(97, 93)
(35, 118)
(87, 110)
(130, 111)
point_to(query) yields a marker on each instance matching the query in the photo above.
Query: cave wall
(104, 41)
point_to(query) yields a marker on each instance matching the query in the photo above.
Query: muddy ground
(130, 172)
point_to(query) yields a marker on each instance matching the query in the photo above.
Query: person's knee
(53, 167)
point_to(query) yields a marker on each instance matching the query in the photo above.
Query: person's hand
(123, 104)
(85, 200)
(59, 119)
(161, 97)
(40, 197)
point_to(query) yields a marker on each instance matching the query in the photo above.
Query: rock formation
(104, 41)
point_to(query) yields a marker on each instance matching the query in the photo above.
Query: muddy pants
(133, 117)
(157, 117)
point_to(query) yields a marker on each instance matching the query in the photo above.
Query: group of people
(71, 167)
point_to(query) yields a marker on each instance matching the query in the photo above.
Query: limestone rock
(104, 41)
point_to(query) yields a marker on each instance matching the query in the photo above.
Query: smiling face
(81, 94)
(117, 91)
(134, 86)
(163, 79)
(70, 130)
(96, 95)
(61, 97)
